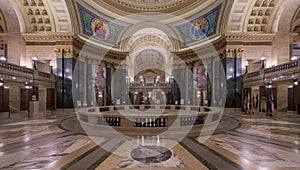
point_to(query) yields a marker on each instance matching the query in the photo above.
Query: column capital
(232, 53)
(66, 53)
(59, 52)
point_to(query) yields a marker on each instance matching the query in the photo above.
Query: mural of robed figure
(100, 30)
(200, 27)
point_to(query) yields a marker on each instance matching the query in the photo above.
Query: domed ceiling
(135, 6)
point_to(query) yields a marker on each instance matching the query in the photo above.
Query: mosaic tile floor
(240, 142)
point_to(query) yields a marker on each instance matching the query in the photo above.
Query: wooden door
(6, 100)
(25, 98)
(297, 98)
(1, 98)
(50, 99)
(291, 105)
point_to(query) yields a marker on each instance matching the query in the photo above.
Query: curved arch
(12, 12)
(144, 47)
(155, 25)
(140, 38)
(237, 15)
(285, 16)
(15, 27)
(296, 20)
(61, 15)
(147, 59)
(295, 24)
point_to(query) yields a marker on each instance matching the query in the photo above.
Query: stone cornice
(48, 37)
(249, 37)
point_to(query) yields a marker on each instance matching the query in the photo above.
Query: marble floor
(241, 141)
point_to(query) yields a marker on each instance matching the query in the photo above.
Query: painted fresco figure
(201, 77)
(199, 29)
(100, 80)
(100, 30)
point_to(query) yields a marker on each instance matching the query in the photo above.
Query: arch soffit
(170, 37)
(255, 17)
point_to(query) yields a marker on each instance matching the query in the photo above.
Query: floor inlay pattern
(240, 142)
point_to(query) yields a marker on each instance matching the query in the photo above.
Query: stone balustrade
(281, 67)
(253, 74)
(149, 85)
(15, 68)
(271, 72)
(18, 73)
(140, 119)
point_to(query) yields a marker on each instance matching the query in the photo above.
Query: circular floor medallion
(151, 154)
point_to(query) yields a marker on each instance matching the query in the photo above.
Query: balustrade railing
(150, 122)
(46, 75)
(282, 67)
(14, 67)
(19, 69)
(109, 121)
(253, 74)
(150, 84)
(192, 120)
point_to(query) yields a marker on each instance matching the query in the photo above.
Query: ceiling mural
(99, 27)
(200, 27)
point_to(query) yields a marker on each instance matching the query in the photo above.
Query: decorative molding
(47, 37)
(250, 37)
(260, 15)
(66, 53)
(38, 15)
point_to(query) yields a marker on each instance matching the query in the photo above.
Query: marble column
(109, 72)
(210, 83)
(85, 77)
(65, 64)
(188, 83)
(178, 83)
(79, 79)
(90, 85)
(120, 88)
(232, 63)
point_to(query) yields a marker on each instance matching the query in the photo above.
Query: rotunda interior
(153, 84)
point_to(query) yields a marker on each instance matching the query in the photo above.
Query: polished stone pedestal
(34, 109)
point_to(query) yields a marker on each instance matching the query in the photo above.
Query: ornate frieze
(250, 37)
(232, 53)
(66, 53)
(47, 37)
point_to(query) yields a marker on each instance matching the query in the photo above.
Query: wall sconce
(198, 94)
(34, 60)
(51, 67)
(269, 86)
(295, 82)
(100, 95)
(27, 85)
(1, 83)
(294, 58)
(171, 78)
(246, 67)
(263, 62)
(2, 58)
